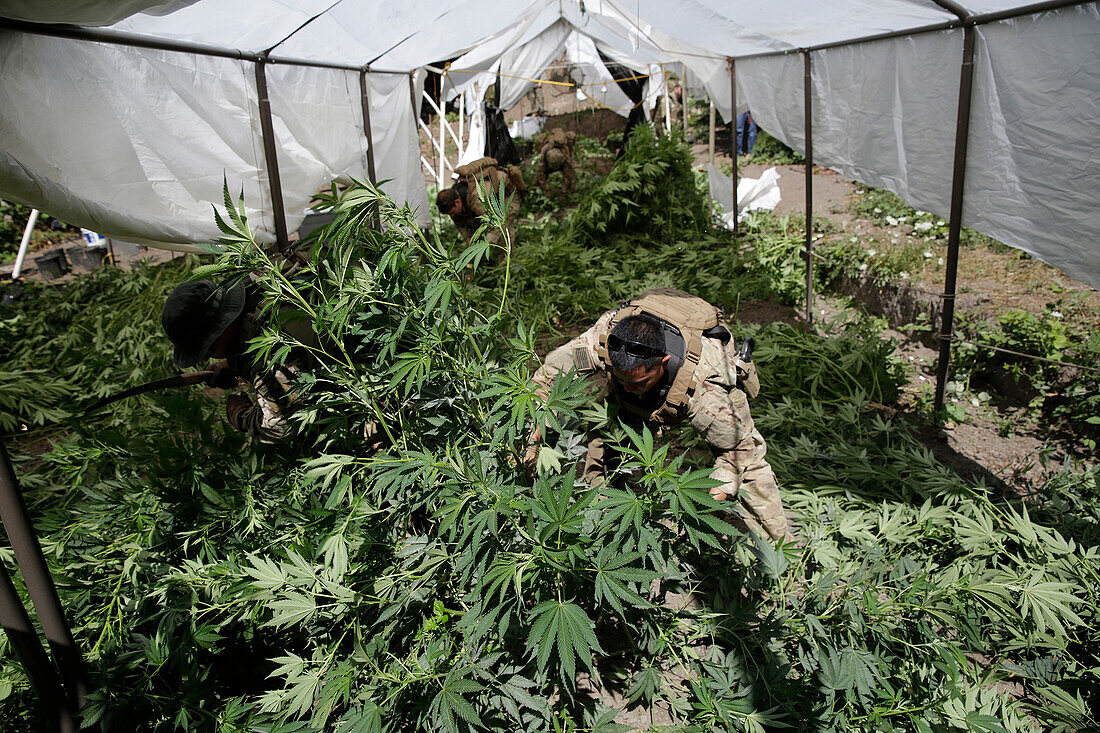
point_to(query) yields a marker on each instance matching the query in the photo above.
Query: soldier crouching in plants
(665, 357)
(462, 201)
(203, 320)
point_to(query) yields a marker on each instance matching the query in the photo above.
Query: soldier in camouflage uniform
(665, 357)
(463, 204)
(556, 154)
(204, 320)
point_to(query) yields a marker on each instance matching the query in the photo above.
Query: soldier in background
(665, 357)
(464, 205)
(556, 154)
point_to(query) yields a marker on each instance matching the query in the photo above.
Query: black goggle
(633, 348)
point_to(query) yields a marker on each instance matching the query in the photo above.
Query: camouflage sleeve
(719, 413)
(581, 353)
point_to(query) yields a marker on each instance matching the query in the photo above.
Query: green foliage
(1063, 394)
(770, 151)
(66, 345)
(219, 584)
(650, 190)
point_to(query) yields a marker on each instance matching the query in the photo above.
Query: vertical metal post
(958, 176)
(808, 93)
(415, 102)
(24, 640)
(668, 105)
(365, 97)
(271, 157)
(372, 174)
(733, 137)
(710, 137)
(40, 587)
(461, 122)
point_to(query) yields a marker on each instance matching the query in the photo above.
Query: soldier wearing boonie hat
(204, 319)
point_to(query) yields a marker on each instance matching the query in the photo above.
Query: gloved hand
(222, 377)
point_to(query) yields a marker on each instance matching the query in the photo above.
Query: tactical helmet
(555, 158)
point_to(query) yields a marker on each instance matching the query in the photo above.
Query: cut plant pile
(219, 584)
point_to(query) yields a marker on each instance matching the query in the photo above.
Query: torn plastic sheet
(752, 193)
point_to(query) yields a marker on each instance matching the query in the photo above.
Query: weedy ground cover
(1062, 327)
(217, 584)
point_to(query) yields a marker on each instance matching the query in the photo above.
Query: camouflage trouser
(745, 467)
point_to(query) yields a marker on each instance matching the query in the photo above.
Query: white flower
(872, 252)
(903, 275)
(903, 218)
(927, 255)
(878, 210)
(891, 221)
(939, 261)
(863, 267)
(922, 226)
(940, 223)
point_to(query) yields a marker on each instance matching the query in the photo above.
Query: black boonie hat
(196, 313)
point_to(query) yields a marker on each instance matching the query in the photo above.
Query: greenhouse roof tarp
(115, 134)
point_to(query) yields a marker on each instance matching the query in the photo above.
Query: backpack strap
(691, 318)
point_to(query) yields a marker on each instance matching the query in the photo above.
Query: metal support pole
(24, 640)
(668, 106)
(17, 270)
(372, 174)
(40, 587)
(808, 92)
(958, 176)
(413, 99)
(710, 137)
(365, 97)
(733, 137)
(683, 97)
(461, 123)
(271, 157)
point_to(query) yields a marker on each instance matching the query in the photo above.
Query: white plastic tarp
(166, 126)
(132, 143)
(1033, 164)
(397, 144)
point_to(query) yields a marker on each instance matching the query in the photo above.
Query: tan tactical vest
(487, 173)
(690, 317)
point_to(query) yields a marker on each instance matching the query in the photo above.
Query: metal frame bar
(271, 158)
(963, 21)
(958, 176)
(364, 96)
(733, 136)
(807, 90)
(41, 588)
(23, 638)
